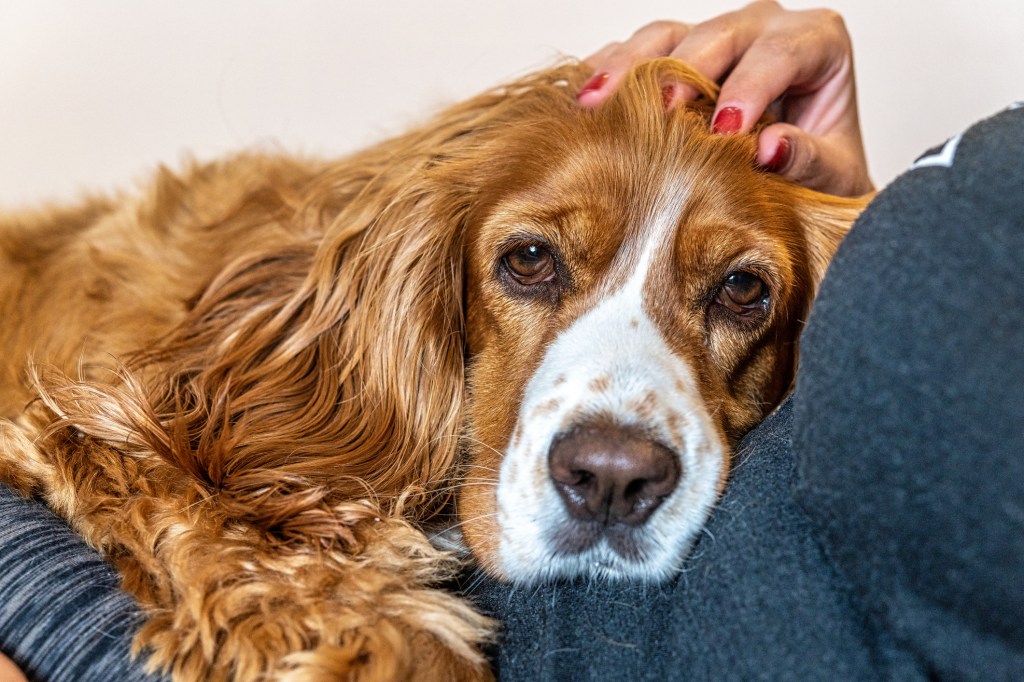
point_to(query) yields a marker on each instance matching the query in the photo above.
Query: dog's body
(281, 367)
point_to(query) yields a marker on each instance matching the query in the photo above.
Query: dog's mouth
(581, 537)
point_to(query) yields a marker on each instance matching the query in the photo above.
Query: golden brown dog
(251, 384)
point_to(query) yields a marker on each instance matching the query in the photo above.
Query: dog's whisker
(467, 484)
(482, 467)
(477, 441)
(459, 524)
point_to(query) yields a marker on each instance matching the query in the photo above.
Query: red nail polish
(594, 84)
(781, 156)
(727, 121)
(668, 95)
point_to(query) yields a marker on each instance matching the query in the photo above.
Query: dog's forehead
(608, 190)
(604, 201)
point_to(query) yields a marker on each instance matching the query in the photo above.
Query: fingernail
(781, 156)
(727, 121)
(594, 84)
(668, 95)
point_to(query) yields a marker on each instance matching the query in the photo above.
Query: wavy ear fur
(329, 368)
(825, 219)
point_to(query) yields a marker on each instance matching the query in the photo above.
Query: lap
(757, 599)
(62, 615)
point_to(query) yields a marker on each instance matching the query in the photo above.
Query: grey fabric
(910, 425)
(62, 616)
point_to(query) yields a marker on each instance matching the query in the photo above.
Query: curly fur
(246, 386)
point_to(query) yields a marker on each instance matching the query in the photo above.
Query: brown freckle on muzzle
(546, 407)
(600, 384)
(673, 427)
(646, 407)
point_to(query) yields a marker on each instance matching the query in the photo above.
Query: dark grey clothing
(62, 616)
(871, 529)
(909, 423)
(757, 600)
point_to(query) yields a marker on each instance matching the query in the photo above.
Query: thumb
(835, 166)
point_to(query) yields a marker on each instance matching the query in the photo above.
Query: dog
(254, 384)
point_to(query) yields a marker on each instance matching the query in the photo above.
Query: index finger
(612, 62)
(791, 59)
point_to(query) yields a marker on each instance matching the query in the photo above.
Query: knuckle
(782, 45)
(604, 55)
(610, 49)
(723, 29)
(828, 18)
(806, 164)
(717, 24)
(660, 29)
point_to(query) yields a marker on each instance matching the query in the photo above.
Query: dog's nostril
(612, 475)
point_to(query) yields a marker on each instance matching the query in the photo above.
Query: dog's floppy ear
(362, 364)
(331, 368)
(825, 220)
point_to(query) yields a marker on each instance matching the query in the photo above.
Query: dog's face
(633, 302)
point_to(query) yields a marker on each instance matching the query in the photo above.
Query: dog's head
(635, 288)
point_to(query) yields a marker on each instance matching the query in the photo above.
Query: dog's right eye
(530, 265)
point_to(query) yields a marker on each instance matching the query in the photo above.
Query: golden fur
(246, 386)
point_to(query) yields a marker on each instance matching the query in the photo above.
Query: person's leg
(909, 418)
(62, 614)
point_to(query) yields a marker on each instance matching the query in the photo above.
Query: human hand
(799, 63)
(9, 672)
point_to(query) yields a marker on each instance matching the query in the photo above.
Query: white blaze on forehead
(612, 362)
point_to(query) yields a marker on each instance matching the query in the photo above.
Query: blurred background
(93, 94)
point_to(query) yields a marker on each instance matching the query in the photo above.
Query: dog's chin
(605, 560)
(576, 550)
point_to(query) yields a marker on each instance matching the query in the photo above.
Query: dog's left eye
(530, 264)
(743, 292)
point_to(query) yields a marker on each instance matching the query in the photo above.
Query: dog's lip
(574, 537)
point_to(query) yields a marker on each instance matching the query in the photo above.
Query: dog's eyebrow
(558, 213)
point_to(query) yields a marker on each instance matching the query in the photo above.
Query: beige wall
(95, 92)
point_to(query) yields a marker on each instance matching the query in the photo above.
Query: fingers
(713, 47)
(799, 64)
(771, 68)
(828, 164)
(613, 61)
(764, 50)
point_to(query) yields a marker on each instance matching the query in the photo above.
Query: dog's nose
(611, 475)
